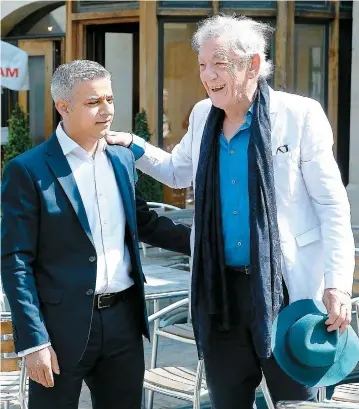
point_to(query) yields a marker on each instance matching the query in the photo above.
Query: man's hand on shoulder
(338, 305)
(120, 138)
(41, 364)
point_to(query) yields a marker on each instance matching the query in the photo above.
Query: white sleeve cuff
(33, 349)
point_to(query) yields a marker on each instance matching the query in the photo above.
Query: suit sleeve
(160, 231)
(329, 199)
(19, 238)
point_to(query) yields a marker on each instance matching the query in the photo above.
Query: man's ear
(254, 67)
(62, 107)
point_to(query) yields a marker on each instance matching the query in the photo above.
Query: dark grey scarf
(209, 287)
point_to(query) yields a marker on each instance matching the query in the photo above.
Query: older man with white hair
(272, 219)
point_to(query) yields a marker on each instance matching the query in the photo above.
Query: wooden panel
(149, 65)
(114, 20)
(280, 79)
(70, 48)
(333, 72)
(7, 346)
(215, 6)
(255, 12)
(10, 364)
(5, 327)
(290, 47)
(182, 13)
(105, 14)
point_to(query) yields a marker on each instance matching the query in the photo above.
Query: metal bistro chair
(13, 379)
(156, 205)
(345, 396)
(179, 382)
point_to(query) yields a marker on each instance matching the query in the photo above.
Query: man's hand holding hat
(338, 305)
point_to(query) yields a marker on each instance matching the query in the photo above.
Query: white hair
(241, 35)
(67, 76)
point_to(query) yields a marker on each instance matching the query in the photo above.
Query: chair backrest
(8, 364)
(164, 206)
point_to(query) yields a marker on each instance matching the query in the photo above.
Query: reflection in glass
(310, 66)
(182, 89)
(37, 99)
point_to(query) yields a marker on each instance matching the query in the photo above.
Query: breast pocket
(286, 171)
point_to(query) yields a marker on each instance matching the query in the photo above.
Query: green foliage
(19, 139)
(150, 188)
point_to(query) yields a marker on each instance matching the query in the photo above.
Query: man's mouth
(105, 122)
(217, 88)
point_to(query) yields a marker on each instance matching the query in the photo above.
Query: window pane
(37, 98)
(182, 86)
(182, 89)
(310, 61)
(118, 60)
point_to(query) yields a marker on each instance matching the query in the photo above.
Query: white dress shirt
(96, 181)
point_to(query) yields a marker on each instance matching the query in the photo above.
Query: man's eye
(110, 101)
(93, 103)
(220, 63)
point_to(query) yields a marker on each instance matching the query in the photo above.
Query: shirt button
(235, 212)
(231, 152)
(233, 182)
(89, 292)
(239, 244)
(92, 259)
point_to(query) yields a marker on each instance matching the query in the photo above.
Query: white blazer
(312, 205)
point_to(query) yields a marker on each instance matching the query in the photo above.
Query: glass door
(37, 102)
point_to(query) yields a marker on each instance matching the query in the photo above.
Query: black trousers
(112, 365)
(233, 370)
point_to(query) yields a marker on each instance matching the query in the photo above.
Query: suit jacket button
(92, 259)
(89, 292)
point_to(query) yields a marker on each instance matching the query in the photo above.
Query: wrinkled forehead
(216, 48)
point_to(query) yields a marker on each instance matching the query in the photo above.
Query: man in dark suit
(70, 262)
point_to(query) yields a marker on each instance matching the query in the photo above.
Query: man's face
(221, 73)
(91, 109)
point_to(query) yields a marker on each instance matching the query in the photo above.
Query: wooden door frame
(35, 48)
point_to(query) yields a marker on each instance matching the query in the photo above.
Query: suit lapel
(62, 171)
(276, 126)
(124, 184)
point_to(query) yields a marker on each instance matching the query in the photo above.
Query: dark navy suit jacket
(48, 254)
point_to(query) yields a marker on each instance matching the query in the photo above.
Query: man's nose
(107, 108)
(209, 74)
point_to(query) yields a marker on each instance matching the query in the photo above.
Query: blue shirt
(233, 175)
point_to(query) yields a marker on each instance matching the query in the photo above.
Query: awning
(14, 67)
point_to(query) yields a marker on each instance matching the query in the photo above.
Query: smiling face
(223, 75)
(90, 111)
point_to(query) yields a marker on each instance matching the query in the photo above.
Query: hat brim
(313, 376)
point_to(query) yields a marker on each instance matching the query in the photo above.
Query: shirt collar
(68, 145)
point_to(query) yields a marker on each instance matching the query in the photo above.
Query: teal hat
(306, 351)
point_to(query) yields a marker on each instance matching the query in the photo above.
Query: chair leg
(198, 385)
(266, 394)
(156, 325)
(322, 394)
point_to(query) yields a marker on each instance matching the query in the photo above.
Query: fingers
(333, 314)
(54, 363)
(41, 376)
(336, 317)
(39, 366)
(348, 318)
(32, 374)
